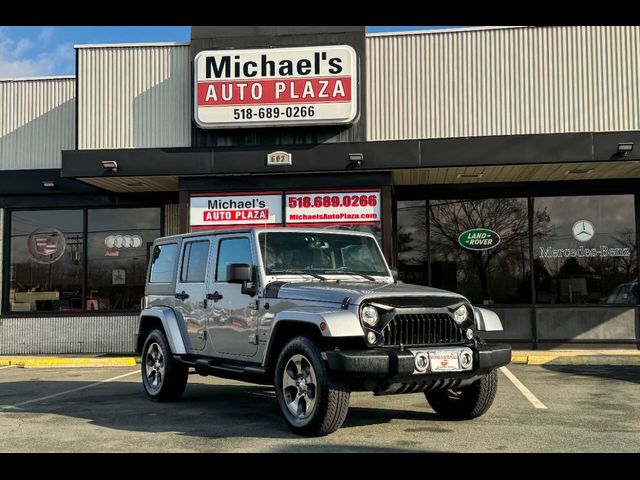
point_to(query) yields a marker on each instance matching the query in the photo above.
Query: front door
(233, 324)
(191, 289)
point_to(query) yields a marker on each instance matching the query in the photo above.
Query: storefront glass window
(119, 248)
(46, 266)
(480, 248)
(411, 242)
(585, 250)
(376, 230)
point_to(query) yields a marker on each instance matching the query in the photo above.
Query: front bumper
(384, 363)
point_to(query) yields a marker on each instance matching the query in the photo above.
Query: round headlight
(469, 334)
(369, 315)
(460, 315)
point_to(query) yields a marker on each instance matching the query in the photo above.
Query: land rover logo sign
(46, 245)
(479, 239)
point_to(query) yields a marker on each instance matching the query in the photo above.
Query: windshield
(300, 252)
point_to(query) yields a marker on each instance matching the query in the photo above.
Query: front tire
(163, 378)
(466, 403)
(312, 404)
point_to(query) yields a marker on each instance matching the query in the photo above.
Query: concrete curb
(67, 362)
(578, 359)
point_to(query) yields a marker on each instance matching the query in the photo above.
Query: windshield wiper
(351, 272)
(298, 272)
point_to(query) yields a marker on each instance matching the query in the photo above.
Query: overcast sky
(37, 51)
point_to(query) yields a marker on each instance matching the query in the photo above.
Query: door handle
(215, 296)
(182, 296)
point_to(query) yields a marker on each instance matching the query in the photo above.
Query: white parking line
(524, 390)
(8, 366)
(69, 391)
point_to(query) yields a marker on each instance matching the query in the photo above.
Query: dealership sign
(358, 207)
(275, 87)
(479, 239)
(241, 209)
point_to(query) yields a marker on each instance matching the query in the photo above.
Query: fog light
(421, 362)
(466, 360)
(469, 334)
(371, 338)
(460, 315)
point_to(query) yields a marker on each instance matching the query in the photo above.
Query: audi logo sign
(123, 241)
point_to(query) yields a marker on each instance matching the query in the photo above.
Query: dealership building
(499, 162)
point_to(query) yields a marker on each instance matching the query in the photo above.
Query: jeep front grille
(422, 329)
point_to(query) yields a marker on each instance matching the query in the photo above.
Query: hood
(358, 291)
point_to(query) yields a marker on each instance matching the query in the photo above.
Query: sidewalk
(576, 357)
(65, 361)
(527, 357)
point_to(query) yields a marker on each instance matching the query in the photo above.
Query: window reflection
(46, 267)
(119, 243)
(411, 242)
(585, 250)
(498, 274)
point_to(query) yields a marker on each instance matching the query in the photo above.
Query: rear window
(195, 261)
(162, 263)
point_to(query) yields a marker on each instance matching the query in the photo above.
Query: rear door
(190, 294)
(233, 324)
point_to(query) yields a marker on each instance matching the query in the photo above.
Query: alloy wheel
(299, 386)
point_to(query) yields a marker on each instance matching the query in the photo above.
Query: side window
(162, 262)
(195, 261)
(232, 250)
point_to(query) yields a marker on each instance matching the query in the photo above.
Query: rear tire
(466, 403)
(163, 378)
(311, 403)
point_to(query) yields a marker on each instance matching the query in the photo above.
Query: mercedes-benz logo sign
(583, 230)
(123, 241)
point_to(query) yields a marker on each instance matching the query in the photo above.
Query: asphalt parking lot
(567, 409)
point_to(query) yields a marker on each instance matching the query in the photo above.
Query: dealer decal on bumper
(442, 360)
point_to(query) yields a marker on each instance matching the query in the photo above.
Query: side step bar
(203, 366)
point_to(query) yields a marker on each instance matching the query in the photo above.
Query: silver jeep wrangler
(317, 314)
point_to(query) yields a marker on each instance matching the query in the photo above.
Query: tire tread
(475, 401)
(332, 415)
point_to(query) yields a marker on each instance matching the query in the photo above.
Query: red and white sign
(238, 209)
(276, 87)
(324, 208)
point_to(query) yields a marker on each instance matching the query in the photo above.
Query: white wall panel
(529, 80)
(134, 97)
(37, 121)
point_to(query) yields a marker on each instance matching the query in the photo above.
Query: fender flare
(339, 323)
(170, 324)
(486, 320)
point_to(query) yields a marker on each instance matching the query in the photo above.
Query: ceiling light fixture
(470, 175)
(579, 171)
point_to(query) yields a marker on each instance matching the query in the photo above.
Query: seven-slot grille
(422, 329)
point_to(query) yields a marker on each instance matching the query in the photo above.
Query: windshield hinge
(345, 303)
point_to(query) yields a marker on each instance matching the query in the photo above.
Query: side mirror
(241, 273)
(394, 273)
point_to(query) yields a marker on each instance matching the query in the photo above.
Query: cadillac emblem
(46, 245)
